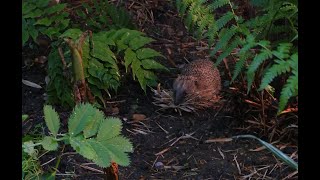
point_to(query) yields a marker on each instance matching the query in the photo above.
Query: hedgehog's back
(207, 80)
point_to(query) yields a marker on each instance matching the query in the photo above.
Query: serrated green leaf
(121, 143)
(117, 155)
(146, 53)
(72, 33)
(109, 128)
(52, 119)
(152, 64)
(49, 143)
(139, 42)
(80, 118)
(44, 21)
(102, 157)
(83, 147)
(92, 128)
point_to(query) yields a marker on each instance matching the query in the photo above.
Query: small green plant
(104, 15)
(40, 18)
(31, 168)
(102, 56)
(265, 59)
(90, 134)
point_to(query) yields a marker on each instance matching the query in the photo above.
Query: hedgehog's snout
(179, 91)
(179, 95)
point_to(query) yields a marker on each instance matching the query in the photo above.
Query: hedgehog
(199, 83)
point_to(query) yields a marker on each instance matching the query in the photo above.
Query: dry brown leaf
(138, 117)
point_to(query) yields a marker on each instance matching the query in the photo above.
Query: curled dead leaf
(138, 117)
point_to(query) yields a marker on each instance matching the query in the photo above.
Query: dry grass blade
(31, 84)
(274, 150)
(220, 140)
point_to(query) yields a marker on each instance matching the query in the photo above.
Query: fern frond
(280, 67)
(212, 33)
(258, 59)
(239, 65)
(225, 36)
(221, 22)
(283, 50)
(226, 52)
(217, 4)
(290, 89)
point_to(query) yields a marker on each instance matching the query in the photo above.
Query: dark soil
(187, 158)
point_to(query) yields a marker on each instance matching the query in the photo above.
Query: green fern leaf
(72, 33)
(103, 53)
(152, 64)
(225, 37)
(139, 42)
(140, 75)
(250, 79)
(289, 90)
(110, 127)
(182, 7)
(129, 57)
(294, 61)
(259, 59)
(239, 66)
(226, 52)
(146, 53)
(92, 127)
(282, 51)
(52, 119)
(49, 143)
(136, 65)
(188, 21)
(276, 69)
(224, 20)
(211, 33)
(217, 4)
(80, 118)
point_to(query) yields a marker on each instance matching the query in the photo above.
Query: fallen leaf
(31, 84)
(138, 117)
